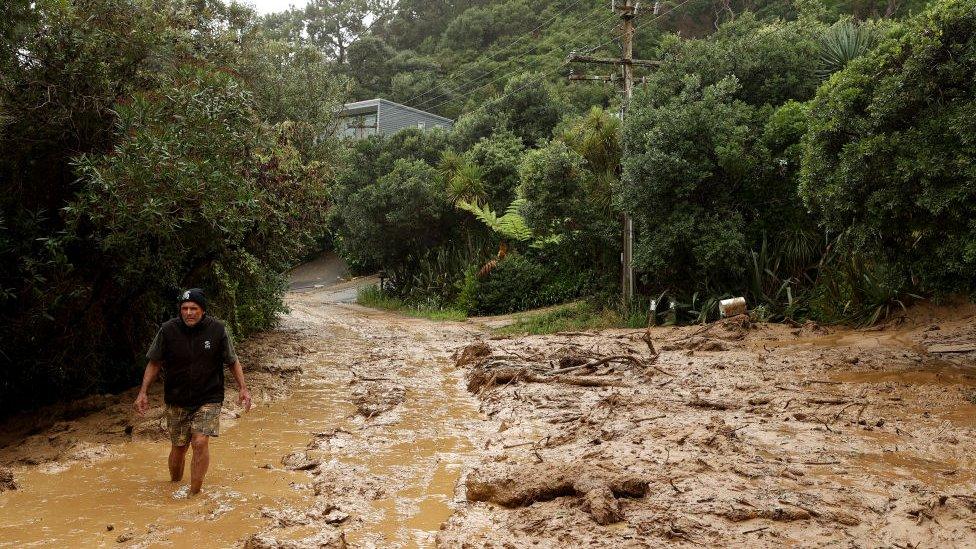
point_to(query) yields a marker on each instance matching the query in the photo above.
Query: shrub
(520, 282)
(393, 223)
(888, 159)
(196, 192)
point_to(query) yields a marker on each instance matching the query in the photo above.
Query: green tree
(888, 158)
(393, 223)
(329, 25)
(118, 117)
(498, 157)
(692, 159)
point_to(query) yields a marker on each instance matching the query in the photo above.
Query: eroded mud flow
(726, 435)
(374, 430)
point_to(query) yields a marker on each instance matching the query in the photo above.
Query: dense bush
(688, 186)
(395, 222)
(704, 179)
(889, 155)
(498, 157)
(520, 282)
(529, 107)
(145, 151)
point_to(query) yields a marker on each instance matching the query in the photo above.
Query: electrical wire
(516, 41)
(587, 50)
(476, 83)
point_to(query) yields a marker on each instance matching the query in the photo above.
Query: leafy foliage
(511, 225)
(843, 42)
(888, 158)
(147, 146)
(393, 223)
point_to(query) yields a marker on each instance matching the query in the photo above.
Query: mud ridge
(729, 434)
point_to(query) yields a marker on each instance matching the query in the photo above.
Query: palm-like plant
(843, 42)
(596, 137)
(463, 178)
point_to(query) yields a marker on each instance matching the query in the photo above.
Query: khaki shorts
(182, 422)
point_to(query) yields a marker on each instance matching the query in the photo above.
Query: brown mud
(367, 432)
(359, 434)
(732, 434)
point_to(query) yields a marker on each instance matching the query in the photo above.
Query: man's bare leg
(177, 455)
(200, 462)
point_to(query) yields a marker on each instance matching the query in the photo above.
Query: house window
(359, 126)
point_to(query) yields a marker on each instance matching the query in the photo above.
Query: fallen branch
(665, 372)
(579, 380)
(699, 402)
(827, 400)
(812, 511)
(636, 361)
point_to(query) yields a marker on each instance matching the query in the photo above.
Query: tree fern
(511, 225)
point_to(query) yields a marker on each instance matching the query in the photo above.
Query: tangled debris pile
(725, 434)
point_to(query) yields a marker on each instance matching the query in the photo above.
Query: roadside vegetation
(372, 296)
(572, 317)
(813, 156)
(147, 146)
(797, 158)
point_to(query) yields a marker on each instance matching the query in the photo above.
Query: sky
(271, 6)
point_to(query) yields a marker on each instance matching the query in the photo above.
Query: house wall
(393, 118)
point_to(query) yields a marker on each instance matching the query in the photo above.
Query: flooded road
(372, 431)
(383, 471)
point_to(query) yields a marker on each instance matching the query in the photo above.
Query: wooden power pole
(628, 11)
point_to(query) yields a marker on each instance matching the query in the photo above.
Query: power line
(506, 94)
(636, 26)
(563, 64)
(475, 83)
(559, 66)
(516, 41)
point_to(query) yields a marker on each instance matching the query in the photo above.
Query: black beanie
(195, 295)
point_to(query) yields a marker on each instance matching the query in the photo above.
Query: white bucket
(732, 307)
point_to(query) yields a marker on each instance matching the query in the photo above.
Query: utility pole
(627, 11)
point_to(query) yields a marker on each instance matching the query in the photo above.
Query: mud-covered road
(374, 430)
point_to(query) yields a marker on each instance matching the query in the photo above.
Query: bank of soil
(732, 434)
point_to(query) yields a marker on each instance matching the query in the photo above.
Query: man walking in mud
(192, 351)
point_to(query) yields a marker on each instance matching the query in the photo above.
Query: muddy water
(416, 452)
(421, 456)
(131, 491)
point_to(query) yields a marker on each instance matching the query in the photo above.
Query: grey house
(379, 116)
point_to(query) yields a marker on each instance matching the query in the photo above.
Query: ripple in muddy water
(416, 451)
(130, 492)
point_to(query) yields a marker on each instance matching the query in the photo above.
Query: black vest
(193, 368)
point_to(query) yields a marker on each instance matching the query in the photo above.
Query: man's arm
(142, 399)
(245, 395)
(230, 359)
